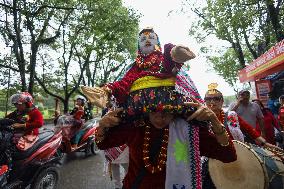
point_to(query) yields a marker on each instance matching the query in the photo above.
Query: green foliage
(72, 42)
(250, 27)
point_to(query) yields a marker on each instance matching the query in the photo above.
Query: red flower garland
(148, 61)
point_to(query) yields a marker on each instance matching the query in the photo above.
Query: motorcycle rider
(80, 112)
(28, 120)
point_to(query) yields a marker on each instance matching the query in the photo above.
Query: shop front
(267, 71)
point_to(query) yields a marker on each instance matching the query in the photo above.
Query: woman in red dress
(269, 123)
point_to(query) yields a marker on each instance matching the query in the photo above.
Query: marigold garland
(162, 157)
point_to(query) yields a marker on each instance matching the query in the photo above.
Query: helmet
(21, 98)
(81, 98)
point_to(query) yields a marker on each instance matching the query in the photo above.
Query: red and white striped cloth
(112, 153)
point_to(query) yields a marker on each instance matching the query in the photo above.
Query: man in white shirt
(248, 110)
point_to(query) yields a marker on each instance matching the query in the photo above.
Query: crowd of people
(159, 127)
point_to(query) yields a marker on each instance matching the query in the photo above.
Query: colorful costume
(155, 65)
(156, 156)
(152, 68)
(133, 136)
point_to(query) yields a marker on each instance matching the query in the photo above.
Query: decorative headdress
(212, 88)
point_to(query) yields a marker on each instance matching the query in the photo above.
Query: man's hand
(203, 113)
(106, 89)
(18, 125)
(273, 147)
(111, 119)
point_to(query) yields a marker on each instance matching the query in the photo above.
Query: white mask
(147, 42)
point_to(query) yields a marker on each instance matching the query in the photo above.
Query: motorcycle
(37, 167)
(68, 126)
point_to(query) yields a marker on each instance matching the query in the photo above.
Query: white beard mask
(147, 42)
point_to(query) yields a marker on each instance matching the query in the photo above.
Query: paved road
(80, 172)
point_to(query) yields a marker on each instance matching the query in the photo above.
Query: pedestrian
(270, 123)
(117, 158)
(273, 104)
(248, 111)
(281, 112)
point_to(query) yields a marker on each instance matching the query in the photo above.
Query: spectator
(248, 111)
(270, 123)
(117, 157)
(281, 112)
(273, 104)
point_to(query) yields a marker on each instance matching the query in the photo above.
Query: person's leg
(76, 139)
(125, 167)
(115, 168)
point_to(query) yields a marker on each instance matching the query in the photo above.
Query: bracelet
(224, 145)
(221, 132)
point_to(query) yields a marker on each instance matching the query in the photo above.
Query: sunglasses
(215, 99)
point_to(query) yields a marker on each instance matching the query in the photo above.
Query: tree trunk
(34, 49)
(65, 105)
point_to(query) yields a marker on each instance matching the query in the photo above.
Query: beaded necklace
(162, 157)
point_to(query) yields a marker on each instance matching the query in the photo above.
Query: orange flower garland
(162, 158)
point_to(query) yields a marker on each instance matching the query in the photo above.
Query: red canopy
(268, 63)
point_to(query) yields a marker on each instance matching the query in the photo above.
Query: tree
(28, 26)
(95, 43)
(250, 27)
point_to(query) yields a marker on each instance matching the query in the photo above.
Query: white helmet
(81, 98)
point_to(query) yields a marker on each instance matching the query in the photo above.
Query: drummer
(236, 126)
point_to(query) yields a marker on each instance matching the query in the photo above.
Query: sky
(174, 28)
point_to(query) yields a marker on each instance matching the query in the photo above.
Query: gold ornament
(212, 88)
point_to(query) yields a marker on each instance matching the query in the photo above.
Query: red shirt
(281, 117)
(133, 137)
(34, 120)
(247, 129)
(269, 124)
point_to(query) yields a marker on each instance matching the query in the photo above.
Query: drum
(255, 168)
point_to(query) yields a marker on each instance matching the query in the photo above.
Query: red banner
(268, 63)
